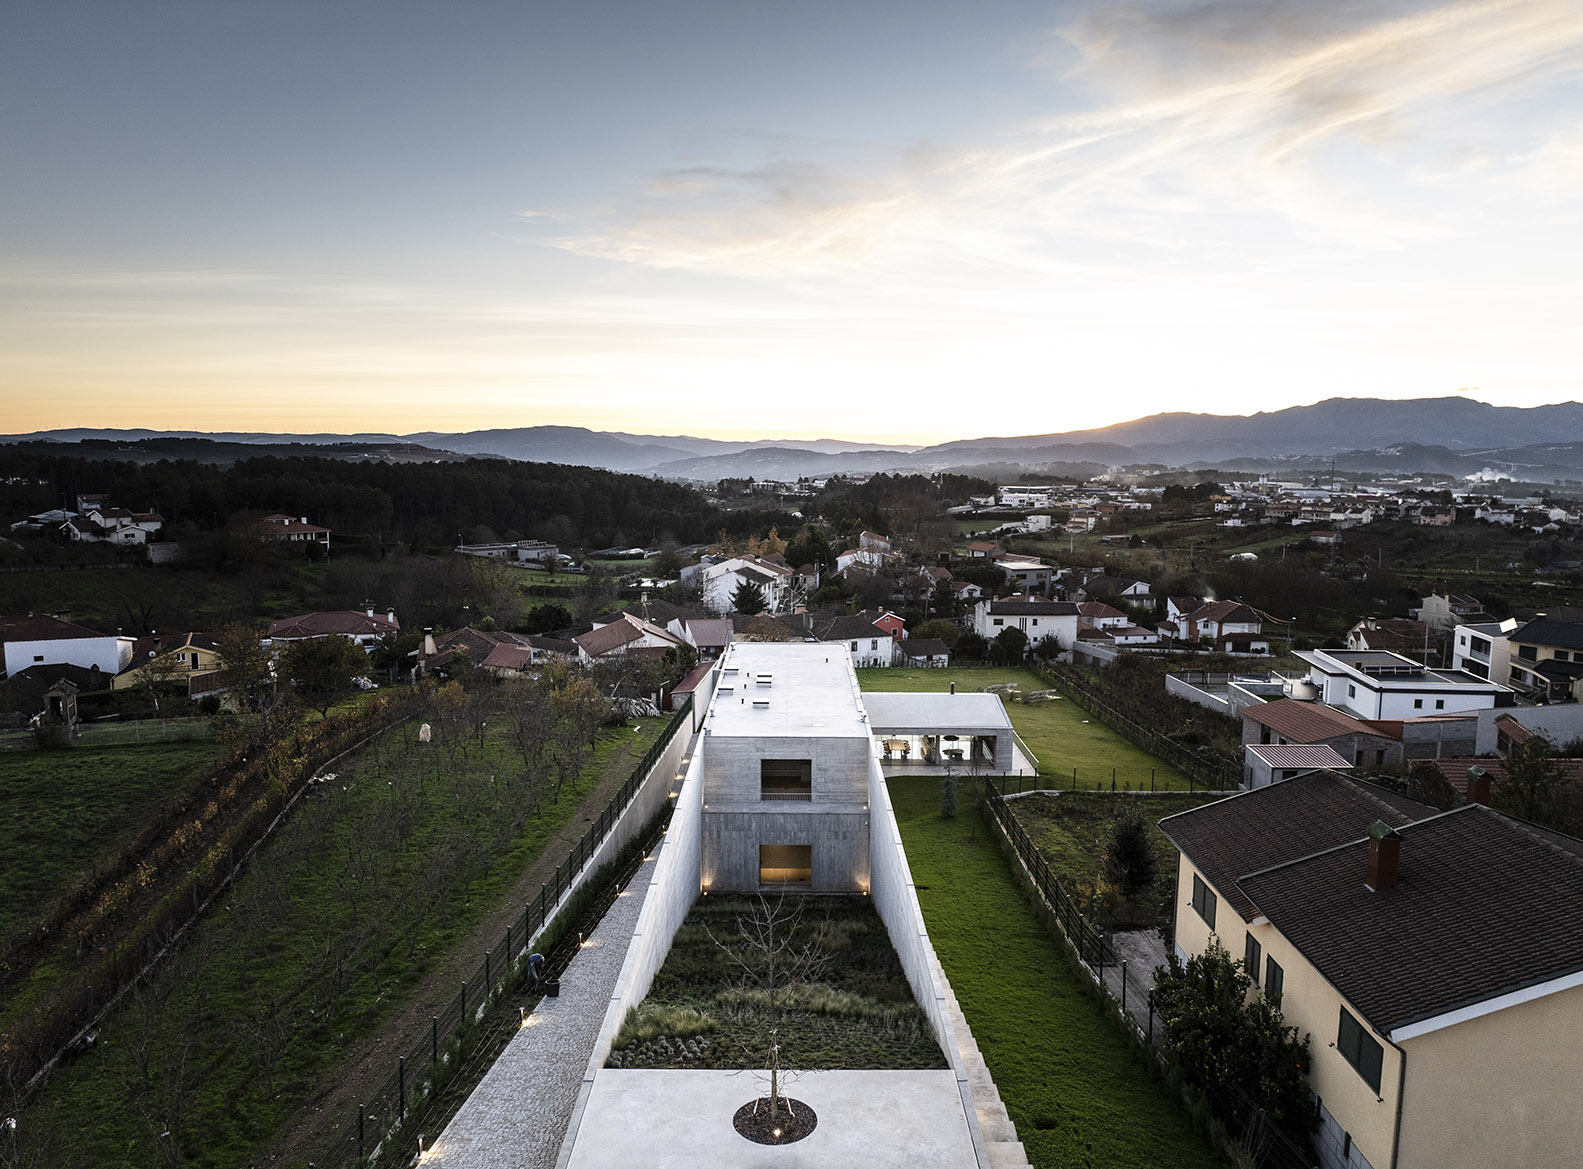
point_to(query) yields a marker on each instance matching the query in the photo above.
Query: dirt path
(360, 1073)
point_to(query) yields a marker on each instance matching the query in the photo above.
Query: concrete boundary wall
(1214, 702)
(896, 899)
(671, 893)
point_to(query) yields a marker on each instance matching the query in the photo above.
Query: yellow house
(1435, 960)
(178, 656)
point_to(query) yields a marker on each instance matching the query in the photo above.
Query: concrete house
(187, 654)
(365, 628)
(785, 772)
(1374, 919)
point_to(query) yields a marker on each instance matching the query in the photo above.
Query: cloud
(1228, 134)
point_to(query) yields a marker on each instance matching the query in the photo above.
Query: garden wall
(896, 900)
(673, 887)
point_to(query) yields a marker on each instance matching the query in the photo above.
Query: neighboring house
(1266, 764)
(113, 525)
(1102, 616)
(291, 530)
(719, 582)
(925, 653)
(27, 691)
(869, 644)
(1376, 684)
(509, 661)
(1546, 658)
(627, 635)
(1216, 621)
(1288, 722)
(1440, 613)
(529, 551)
(980, 550)
(1041, 620)
(1025, 573)
(1484, 649)
(177, 654)
(1397, 634)
(1132, 635)
(52, 641)
(1424, 953)
(966, 591)
(708, 635)
(365, 628)
(1102, 585)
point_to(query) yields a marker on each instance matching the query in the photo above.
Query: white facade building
(1378, 684)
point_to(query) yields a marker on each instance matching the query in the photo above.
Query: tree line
(422, 504)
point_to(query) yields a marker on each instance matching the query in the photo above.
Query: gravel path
(517, 1116)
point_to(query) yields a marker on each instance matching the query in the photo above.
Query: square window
(1440, 704)
(1252, 957)
(1418, 704)
(1204, 901)
(1000, 621)
(1360, 1049)
(785, 779)
(1274, 979)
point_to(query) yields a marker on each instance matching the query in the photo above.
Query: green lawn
(1059, 733)
(1078, 1092)
(67, 810)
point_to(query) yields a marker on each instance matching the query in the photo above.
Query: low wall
(662, 780)
(896, 900)
(673, 887)
(1184, 689)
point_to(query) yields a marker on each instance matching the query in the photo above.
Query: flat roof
(787, 689)
(892, 711)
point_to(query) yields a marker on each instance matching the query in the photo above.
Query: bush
(1219, 1040)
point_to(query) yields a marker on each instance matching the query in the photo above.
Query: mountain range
(1454, 435)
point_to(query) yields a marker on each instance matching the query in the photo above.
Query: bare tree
(774, 952)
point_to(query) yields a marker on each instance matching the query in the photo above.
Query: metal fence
(388, 1126)
(1204, 766)
(120, 734)
(1128, 994)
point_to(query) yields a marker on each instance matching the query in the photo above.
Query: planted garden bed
(845, 1004)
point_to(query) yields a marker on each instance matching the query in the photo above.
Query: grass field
(66, 810)
(372, 882)
(1059, 733)
(1078, 1092)
(1070, 829)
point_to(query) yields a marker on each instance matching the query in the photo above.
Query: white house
(52, 641)
(718, 582)
(627, 634)
(1378, 684)
(1040, 619)
(365, 628)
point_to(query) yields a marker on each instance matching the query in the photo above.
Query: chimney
(1385, 855)
(1478, 786)
(304, 519)
(429, 648)
(390, 615)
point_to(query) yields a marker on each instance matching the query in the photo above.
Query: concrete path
(1142, 950)
(517, 1116)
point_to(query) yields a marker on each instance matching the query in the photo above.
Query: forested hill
(424, 504)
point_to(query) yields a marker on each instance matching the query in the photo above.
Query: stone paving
(517, 1116)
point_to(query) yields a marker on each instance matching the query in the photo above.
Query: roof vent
(1478, 786)
(766, 679)
(761, 704)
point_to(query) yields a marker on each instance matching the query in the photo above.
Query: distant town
(363, 798)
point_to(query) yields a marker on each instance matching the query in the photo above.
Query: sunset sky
(865, 219)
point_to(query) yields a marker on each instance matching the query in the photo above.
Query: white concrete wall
(110, 654)
(1560, 724)
(672, 890)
